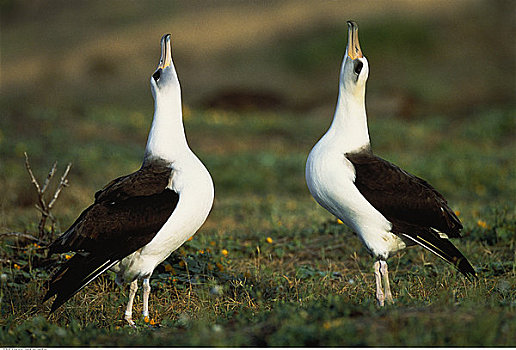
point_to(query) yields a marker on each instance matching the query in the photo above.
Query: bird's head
(355, 68)
(164, 80)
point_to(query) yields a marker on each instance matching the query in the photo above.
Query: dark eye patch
(358, 67)
(157, 75)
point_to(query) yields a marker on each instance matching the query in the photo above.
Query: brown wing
(400, 196)
(412, 205)
(150, 179)
(126, 215)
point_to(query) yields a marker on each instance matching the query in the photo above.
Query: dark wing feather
(130, 224)
(126, 216)
(148, 180)
(130, 209)
(415, 209)
(399, 195)
(441, 247)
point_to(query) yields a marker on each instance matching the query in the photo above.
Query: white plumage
(139, 219)
(387, 207)
(330, 176)
(189, 177)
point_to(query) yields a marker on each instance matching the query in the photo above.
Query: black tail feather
(76, 274)
(444, 249)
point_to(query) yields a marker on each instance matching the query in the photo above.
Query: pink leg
(380, 297)
(129, 310)
(146, 294)
(385, 275)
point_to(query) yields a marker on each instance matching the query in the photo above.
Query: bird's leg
(380, 297)
(146, 293)
(385, 275)
(129, 310)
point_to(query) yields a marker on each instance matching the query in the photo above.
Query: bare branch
(19, 235)
(42, 206)
(29, 169)
(63, 183)
(49, 177)
(41, 210)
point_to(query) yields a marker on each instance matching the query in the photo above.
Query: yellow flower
(201, 251)
(457, 212)
(190, 238)
(224, 252)
(68, 257)
(152, 322)
(269, 240)
(482, 223)
(220, 266)
(146, 319)
(339, 221)
(17, 267)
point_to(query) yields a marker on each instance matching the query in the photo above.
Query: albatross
(138, 220)
(388, 208)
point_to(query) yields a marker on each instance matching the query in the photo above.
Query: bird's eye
(157, 75)
(358, 67)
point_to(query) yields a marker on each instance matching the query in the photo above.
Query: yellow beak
(354, 50)
(166, 52)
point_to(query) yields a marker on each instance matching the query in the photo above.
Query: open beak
(166, 52)
(354, 50)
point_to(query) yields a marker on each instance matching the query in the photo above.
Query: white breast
(192, 181)
(330, 179)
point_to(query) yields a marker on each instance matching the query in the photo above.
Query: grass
(311, 283)
(269, 267)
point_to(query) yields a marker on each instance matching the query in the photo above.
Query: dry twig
(42, 206)
(20, 235)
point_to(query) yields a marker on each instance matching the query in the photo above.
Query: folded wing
(418, 212)
(126, 215)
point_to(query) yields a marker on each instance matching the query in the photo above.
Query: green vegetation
(312, 282)
(269, 267)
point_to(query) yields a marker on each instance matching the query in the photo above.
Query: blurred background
(425, 56)
(259, 79)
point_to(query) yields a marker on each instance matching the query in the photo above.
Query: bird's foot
(389, 298)
(383, 297)
(130, 321)
(380, 297)
(386, 284)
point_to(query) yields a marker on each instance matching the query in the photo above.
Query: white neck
(349, 126)
(167, 138)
